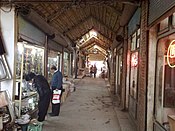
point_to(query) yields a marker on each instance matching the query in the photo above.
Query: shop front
(133, 64)
(29, 58)
(161, 71)
(54, 57)
(164, 105)
(118, 71)
(133, 74)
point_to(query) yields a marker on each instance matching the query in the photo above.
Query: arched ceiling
(76, 19)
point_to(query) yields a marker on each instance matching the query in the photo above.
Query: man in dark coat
(43, 89)
(56, 83)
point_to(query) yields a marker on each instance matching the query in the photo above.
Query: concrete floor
(89, 108)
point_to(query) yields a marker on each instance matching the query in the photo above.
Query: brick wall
(141, 115)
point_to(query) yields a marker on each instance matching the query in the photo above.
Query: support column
(46, 57)
(62, 61)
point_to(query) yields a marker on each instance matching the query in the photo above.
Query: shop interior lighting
(20, 47)
(33, 52)
(54, 59)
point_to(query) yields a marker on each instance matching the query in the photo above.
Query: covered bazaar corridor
(89, 108)
(127, 45)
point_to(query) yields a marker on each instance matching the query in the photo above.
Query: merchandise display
(7, 115)
(29, 59)
(53, 59)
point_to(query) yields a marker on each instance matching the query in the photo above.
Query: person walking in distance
(91, 70)
(56, 84)
(43, 89)
(95, 71)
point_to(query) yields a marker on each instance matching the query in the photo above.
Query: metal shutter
(158, 8)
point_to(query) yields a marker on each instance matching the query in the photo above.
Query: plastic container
(37, 126)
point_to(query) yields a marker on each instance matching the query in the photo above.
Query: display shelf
(30, 94)
(29, 59)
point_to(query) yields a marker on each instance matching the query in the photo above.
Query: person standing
(91, 70)
(43, 89)
(95, 71)
(56, 84)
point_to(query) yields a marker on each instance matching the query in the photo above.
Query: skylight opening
(93, 33)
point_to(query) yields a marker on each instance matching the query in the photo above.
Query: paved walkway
(89, 108)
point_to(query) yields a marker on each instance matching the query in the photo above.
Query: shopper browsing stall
(43, 89)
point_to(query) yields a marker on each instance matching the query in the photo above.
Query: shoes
(51, 114)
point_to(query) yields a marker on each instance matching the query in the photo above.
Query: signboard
(171, 54)
(134, 59)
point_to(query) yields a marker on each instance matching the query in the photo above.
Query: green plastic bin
(35, 126)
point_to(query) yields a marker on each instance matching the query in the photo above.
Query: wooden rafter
(79, 37)
(103, 24)
(58, 12)
(96, 41)
(102, 34)
(92, 44)
(83, 1)
(132, 2)
(100, 41)
(88, 46)
(100, 51)
(114, 10)
(77, 25)
(86, 19)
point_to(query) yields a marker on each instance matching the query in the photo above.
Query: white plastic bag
(56, 96)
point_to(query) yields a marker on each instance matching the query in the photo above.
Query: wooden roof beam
(101, 49)
(103, 24)
(94, 41)
(116, 11)
(79, 37)
(97, 32)
(53, 1)
(99, 46)
(77, 25)
(106, 37)
(131, 2)
(58, 12)
(102, 52)
(100, 41)
(92, 44)
(87, 18)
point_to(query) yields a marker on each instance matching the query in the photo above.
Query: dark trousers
(43, 105)
(56, 107)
